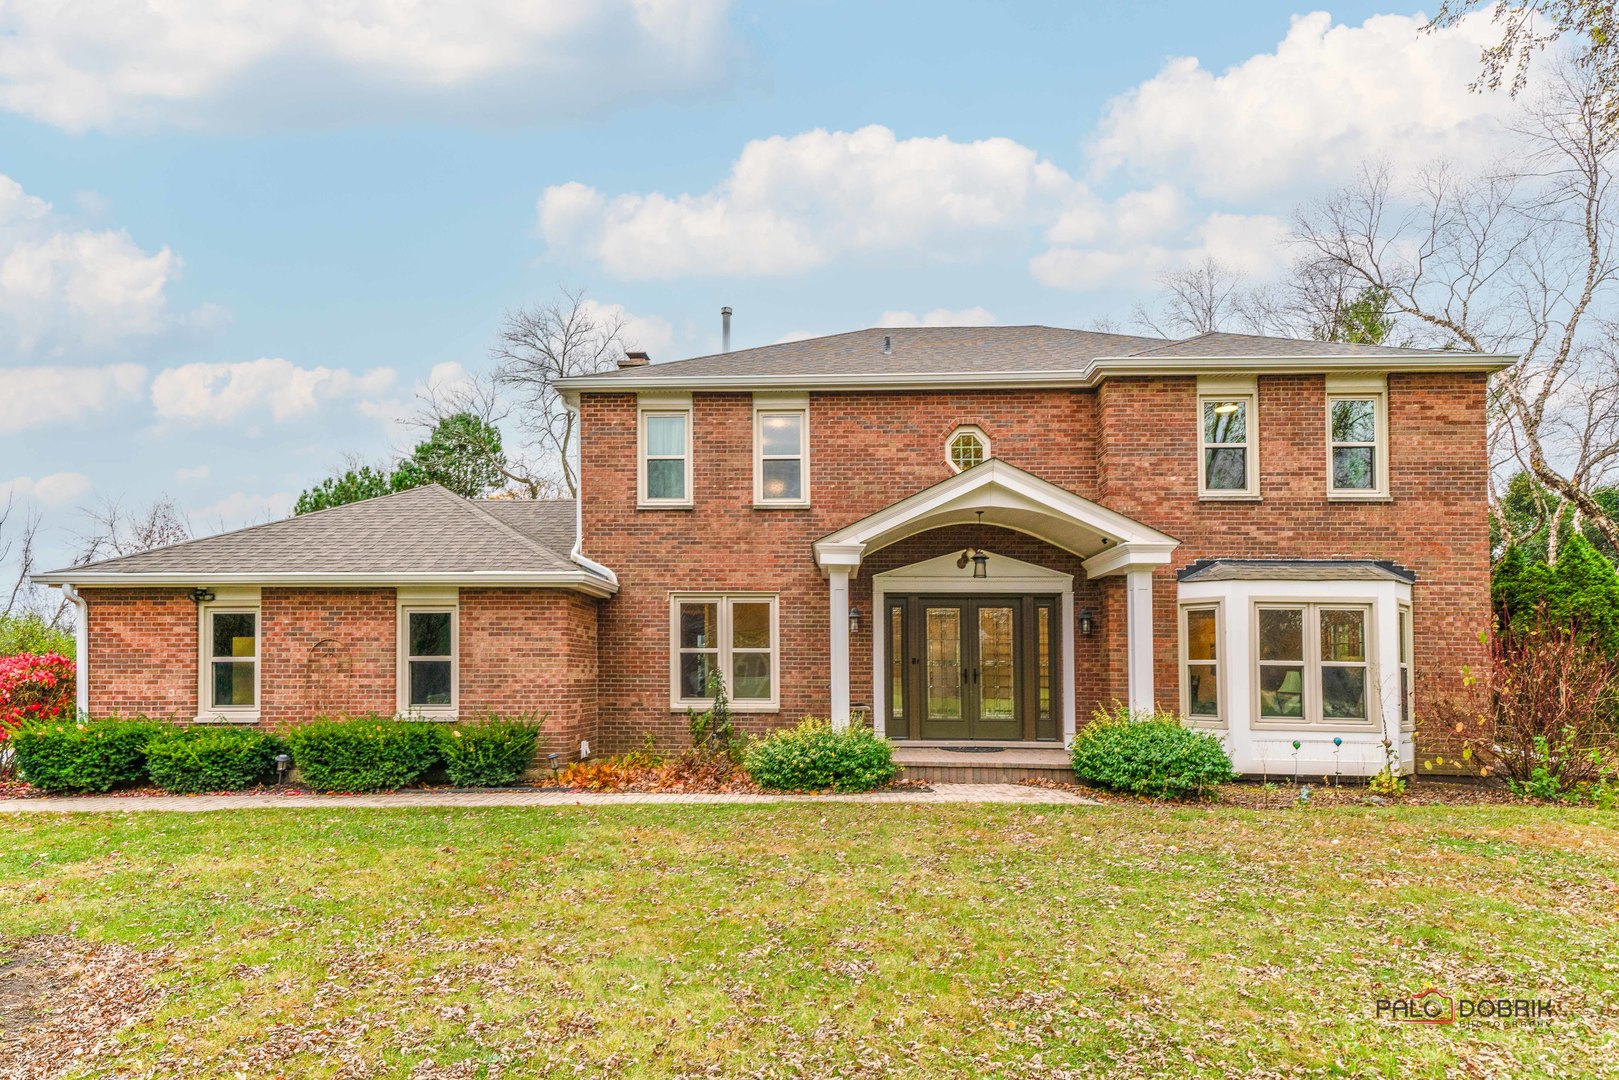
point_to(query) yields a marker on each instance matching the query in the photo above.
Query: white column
(1138, 636)
(839, 580)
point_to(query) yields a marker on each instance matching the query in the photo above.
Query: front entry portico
(959, 656)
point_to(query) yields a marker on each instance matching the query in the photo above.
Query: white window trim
(1222, 674)
(207, 713)
(724, 651)
(965, 429)
(1249, 492)
(407, 711)
(763, 407)
(660, 408)
(1313, 718)
(1374, 390)
(1406, 665)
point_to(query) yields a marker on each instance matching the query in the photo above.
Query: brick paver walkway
(942, 793)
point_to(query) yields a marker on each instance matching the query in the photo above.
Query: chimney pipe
(725, 328)
(635, 359)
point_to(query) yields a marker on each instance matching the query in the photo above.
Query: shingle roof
(1295, 570)
(426, 530)
(983, 351)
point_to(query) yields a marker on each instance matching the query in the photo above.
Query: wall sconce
(1087, 623)
(854, 619)
(979, 559)
(203, 595)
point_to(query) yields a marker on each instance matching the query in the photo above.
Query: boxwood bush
(814, 756)
(1149, 754)
(490, 753)
(93, 755)
(188, 760)
(367, 753)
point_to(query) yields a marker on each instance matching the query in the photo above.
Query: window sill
(1288, 724)
(231, 718)
(664, 505)
(1234, 497)
(1371, 497)
(760, 504)
(428, 718)
(682, 706)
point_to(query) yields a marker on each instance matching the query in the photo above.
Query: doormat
(973, 749)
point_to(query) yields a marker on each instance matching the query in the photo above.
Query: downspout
(570, 402)
(81, 652)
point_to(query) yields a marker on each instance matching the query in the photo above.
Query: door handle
(975, 676)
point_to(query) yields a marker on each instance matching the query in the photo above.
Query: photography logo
(1434, 1006)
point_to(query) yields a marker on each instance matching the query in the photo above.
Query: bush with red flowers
(34, 687)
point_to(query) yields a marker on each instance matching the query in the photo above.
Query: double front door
(978, 667)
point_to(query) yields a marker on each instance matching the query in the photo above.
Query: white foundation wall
(1266, 749)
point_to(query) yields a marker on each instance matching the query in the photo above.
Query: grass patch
(857, 940)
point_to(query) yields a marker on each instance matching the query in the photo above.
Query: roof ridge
(248, 528)
(472, 504)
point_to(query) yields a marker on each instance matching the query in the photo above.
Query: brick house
(970, 537)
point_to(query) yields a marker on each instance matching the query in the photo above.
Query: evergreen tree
(352, 486)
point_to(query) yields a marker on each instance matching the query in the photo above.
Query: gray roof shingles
(426, 530)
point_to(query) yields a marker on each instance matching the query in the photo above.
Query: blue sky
(233, 246)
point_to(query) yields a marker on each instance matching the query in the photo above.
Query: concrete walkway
(943, 793)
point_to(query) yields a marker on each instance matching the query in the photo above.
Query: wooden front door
(971, 667)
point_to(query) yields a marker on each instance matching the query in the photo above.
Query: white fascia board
(1087, 376)
(1123, 557)
(579, 581)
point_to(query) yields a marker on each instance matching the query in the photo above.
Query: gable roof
(1000, 355)
(423, 535)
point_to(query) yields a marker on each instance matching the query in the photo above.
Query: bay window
(1312, 664)
(1201, 700)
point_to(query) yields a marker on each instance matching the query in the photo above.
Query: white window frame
(1374, 390)
(408, 606)
(766, 407)
(725, 650)
(1221, 661)
(661, 407)
(1407, 668)
(965, 429)
(1313, 717)
(207, 712)
(1250, 446)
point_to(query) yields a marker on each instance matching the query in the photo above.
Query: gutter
(571, 403)
(1086, 377)
(580, 580)
(81, 651)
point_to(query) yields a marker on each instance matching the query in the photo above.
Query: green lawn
(839, 939)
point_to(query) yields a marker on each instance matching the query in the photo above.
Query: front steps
(942, 764)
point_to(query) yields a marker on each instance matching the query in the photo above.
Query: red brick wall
(325, 652)
(531, 650)
(143, 652)
(1132, 445)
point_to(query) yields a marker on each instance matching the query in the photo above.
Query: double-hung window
(733, 639)
(1200, 680)
(665, 460)
(428, 661)
(780, 453)
(1357, 439)
(1228, 427)
(1312, 664)
(230, 682)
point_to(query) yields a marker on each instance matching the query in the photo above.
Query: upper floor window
(966, 447)
(1228, 457)
(1357, 441)
(665, 468)
(1312, 661)
(231, 668)
(781, 456)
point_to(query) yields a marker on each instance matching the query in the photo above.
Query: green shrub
(1149, 754)
(365, 753)
(96, 755)
(493, 753)
(813, 756)
(188, 760)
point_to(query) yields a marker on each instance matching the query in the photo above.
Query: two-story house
(971, 537)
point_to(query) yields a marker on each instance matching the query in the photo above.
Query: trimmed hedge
(814, 756)
(189, 760)
(96, 755)
(365, 753)
(1149, 754)
(491, 753)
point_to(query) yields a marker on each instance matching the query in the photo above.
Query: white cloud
(794, 203)
(1253, 244)
(647, 333)
(53, 490)
(1328, 97)
(113, 64)
(224, 393)
(973, 316)
(63, 287)
(41, 396)
(190, 474)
